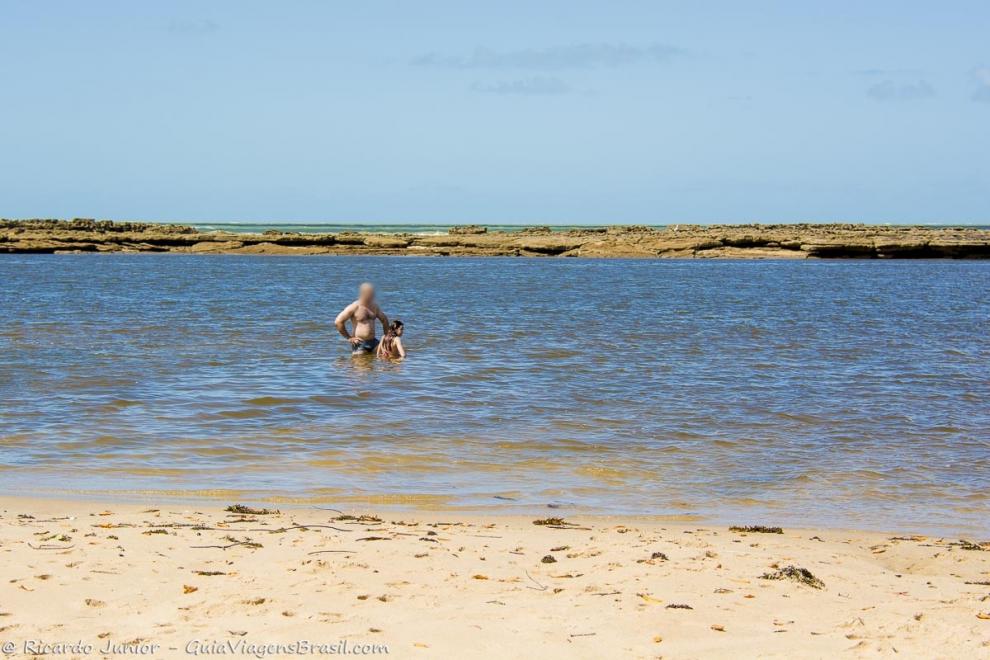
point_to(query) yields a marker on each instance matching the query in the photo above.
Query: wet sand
(432, 585)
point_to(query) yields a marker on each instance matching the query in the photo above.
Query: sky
(551, 112)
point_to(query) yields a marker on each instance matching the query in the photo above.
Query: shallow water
(841, 393)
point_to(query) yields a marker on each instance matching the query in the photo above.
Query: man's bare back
(362, 313)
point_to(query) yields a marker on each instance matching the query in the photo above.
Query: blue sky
(499, 112)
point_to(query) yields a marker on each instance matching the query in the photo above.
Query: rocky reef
(790, 241)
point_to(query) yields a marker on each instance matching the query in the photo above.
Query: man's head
(366, 293)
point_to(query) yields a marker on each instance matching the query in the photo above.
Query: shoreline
(398, 505)
(429, 584)
(798, 241)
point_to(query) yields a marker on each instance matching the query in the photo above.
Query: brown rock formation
(799, 241)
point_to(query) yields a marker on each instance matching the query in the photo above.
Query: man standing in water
(362, 314)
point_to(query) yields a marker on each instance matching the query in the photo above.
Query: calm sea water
(845, 393)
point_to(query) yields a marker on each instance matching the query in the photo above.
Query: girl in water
(390, 347)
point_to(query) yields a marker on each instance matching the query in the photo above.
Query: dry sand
(433, 585)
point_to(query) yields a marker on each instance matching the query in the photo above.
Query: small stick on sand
(542, 587)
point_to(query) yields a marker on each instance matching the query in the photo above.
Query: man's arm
(383, 319)
(341, 322)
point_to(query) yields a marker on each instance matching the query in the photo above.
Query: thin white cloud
(888, 90)
(536, 86)
(576, 56)
(982, 76)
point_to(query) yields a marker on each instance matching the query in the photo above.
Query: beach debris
(479, 576)
(188, 589)
(969, 545)
(248, 511)
(45, 546)
(209, 573)
(549, 559)
(659, 555)
(503, 497)
(346, 517)
(558, 523)
(375, 538)
(802, 575)
(657, 639)
(254, 601)
(647, 598)
(679, 606)
(320, 552)
(92, 602)
(983, 615)
(233, 542)
(539, 586)
(560, 548)
(756, 529)
(718, 628)
(154, 531)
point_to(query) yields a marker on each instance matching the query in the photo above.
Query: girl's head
(395, 328)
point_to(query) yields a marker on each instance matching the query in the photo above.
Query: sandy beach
(176, 579)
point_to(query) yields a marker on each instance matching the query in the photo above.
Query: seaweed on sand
(802, 575)
(757, 529)
(248, 511)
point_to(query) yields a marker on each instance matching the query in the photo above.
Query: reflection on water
(844, 393)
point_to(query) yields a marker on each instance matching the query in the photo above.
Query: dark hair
(394, 326)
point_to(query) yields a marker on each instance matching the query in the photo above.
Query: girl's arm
(399, 348)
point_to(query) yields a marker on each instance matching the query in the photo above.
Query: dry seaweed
(969, 545)
(679, 606)
(757, 529)
(346, 517)
(558, 523)
(802, 575)
(248, 511)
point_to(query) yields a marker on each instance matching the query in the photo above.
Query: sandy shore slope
(435, 585)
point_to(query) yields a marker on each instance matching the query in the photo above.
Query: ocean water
(838, 393)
